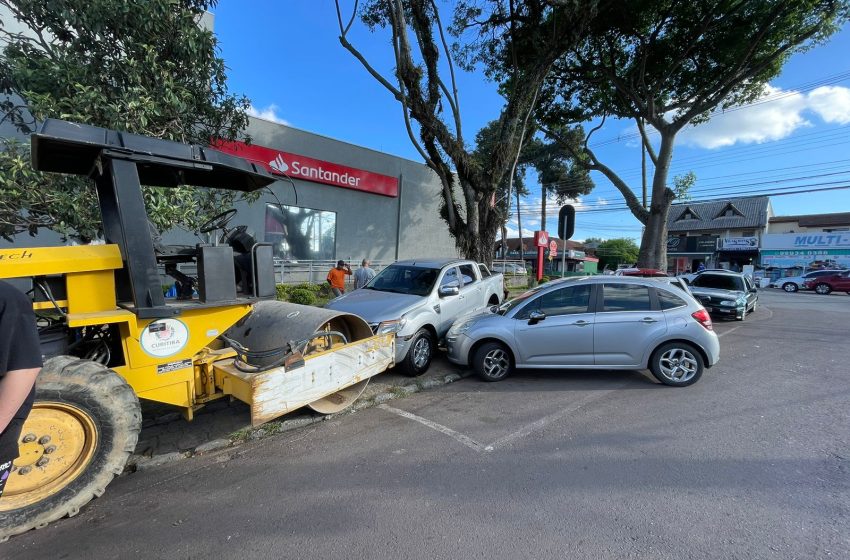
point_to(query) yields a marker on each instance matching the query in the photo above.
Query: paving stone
(213, 445)
(144, 463)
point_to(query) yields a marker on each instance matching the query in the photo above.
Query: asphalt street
(751, 462)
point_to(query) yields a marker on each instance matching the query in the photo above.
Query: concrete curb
(142, 462)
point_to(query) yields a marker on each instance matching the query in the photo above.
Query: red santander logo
(310, 169)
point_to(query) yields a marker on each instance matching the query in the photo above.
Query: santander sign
(309, 169)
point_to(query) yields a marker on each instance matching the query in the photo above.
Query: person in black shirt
(20, 362)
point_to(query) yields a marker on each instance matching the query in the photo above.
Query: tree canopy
(618, 251)
(669, 64)
(143, 66)
(424, 83)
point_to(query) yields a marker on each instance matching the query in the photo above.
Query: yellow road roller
(110, 337)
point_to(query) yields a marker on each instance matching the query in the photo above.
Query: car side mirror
(535, 317)
(449, 290)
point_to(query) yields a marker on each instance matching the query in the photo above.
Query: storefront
(805, 251)
(686, 253)
(735, 253)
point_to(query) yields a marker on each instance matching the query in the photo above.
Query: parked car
(793, 283)
(595, 322)
(729, 294)
(418, 300)
(691, 276)
(508, 268)
(837, 281)
(642, 272)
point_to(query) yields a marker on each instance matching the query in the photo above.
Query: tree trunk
(653, 245)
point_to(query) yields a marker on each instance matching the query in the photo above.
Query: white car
(793, 283)
(508, 268)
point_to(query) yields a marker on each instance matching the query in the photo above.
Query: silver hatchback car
(594, 322)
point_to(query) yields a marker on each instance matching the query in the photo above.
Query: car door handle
(648, 320)
(582, 323)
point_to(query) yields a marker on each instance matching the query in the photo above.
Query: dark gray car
(600, 322)
(727, 294)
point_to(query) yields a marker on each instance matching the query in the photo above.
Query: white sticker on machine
(173, 366)
(164, 337)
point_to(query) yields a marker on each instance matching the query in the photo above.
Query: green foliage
(281, 292)
(543, 280)
(303, 296)
(617, 251)
(143, 66)
(682, 185)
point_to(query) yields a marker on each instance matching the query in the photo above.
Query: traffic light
(566, 221)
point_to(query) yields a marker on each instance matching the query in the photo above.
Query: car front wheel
(419, 355)
(790, 287)
(677, 364)
(823, 289)
(492, 361)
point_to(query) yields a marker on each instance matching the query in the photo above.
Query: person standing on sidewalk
(363, 274)
(20, 362)
(336, 277)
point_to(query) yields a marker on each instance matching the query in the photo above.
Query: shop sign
(815, 240)
(738, 243)
(692, 244)
(807, 258)
(573, 254)
(295, 166)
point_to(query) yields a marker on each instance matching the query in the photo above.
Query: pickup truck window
(467, 272)
(484, 272)
(450, 278)
(413, 280)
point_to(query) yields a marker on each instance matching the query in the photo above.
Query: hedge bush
(304, 296)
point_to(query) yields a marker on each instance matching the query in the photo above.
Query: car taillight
(703, 318)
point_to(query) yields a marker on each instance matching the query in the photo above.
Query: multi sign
(816, 240)
(297, 166)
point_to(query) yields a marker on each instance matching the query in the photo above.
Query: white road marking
(546, 420)
(457, 436)
(526, 430)
(733, 329)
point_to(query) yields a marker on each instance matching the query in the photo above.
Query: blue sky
(289, 62)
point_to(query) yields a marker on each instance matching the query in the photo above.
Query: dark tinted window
(467, 272)
(405, 280)
(625, 297)
(720, 282)
(484, 272)
(565, 301)
(668, 300)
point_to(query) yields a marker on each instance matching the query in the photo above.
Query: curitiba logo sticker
(165, 337)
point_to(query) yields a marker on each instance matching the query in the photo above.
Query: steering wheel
(218, 221)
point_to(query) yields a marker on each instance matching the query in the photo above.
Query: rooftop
(734, 213)
(815, 220)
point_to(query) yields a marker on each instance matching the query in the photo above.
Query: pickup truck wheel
(790, 287)
(492, 362)
(419, 355)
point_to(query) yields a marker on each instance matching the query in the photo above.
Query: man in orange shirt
(336, 277)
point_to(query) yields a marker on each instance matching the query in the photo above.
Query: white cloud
(831, 103)
(269, 114)
(601, 201)
(777, 116)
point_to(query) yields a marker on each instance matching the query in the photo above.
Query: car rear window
(719, 282)
(669, 300)
(625, 297)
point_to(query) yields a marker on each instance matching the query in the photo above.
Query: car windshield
(415, 280)
(719, 282)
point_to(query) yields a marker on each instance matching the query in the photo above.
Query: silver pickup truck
(418, 300)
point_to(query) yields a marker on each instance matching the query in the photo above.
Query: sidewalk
(166, 437)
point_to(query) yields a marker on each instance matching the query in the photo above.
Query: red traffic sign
(553, 248)
(542, 238)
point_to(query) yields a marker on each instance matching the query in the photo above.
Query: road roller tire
(84, 424)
